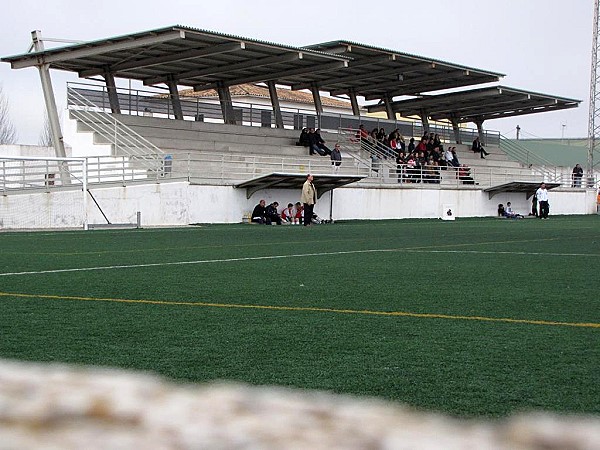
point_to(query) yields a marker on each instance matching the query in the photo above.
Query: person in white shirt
(542, 196)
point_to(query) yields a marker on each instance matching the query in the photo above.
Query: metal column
(317, 99)
(57, 137)
(594, 118)
(387, 101)
(480, 131)
(456, 128)
(275, 104)
(113, 97)
(425, 121)
(354, 102)
(226, 103)
(175, 100)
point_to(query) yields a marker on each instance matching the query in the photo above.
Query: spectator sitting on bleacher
(478, 148)
(287, 214)
(321, 143)
(411, 145)
(259, 214)
(437, 141)
(429, 145)
(455, 161)
(421, 146)
(362, 132)
(464, 174)
(410, 170)
(450, 158)
(303, 139)
(400, 162)
(313, 141)
(272, 215)
(373, 135)
(381, 135)
(393, 140)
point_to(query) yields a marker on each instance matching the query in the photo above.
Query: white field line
(304, 255)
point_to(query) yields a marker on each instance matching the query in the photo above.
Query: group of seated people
(270, 215)
(508, 212)
(415, 163)
(311, 138)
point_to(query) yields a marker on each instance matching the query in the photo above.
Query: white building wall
(178, 203)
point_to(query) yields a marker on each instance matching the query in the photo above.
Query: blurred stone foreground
(61, 407)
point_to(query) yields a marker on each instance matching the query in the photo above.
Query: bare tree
(46, 133)
(8, 134)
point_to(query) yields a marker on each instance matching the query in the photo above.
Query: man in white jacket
(542, 196)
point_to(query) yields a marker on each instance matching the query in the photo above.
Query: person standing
(542, 196)
(577, 175)
(309, 198)
(336, 158)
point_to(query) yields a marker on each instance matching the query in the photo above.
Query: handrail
(231, 168)
(378, 154)
(139, 102)
(115, 132)
(522, 154)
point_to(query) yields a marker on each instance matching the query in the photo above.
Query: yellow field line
(308, 309)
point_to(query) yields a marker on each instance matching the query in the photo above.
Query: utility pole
(594, 118)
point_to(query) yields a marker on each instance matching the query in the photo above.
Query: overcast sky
(541, 45)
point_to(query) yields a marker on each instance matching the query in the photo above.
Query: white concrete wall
(178, 203)
(17, 150)
(81, 143)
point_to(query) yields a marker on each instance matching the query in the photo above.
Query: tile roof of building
(253, 90)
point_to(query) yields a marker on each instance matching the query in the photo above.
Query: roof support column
(387, 101)
(57, 137)
(275, 104)
(456, 129)
(111, 88)
(175, 100)
(480, 131)
(354, 102)
(226, 103)
(317, 98)
(425, 121)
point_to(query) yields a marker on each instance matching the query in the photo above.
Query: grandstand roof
(192, 56)
(480, 104)
(374, 72)
(201, 59)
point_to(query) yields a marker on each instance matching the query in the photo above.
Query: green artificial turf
(411, 311)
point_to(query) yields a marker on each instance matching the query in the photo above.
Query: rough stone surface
(61, 407)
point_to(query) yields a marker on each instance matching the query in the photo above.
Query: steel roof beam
(368, 74)
(228, 68)
(174, 57)
(416, 82)
(85, 50)
(277, 76)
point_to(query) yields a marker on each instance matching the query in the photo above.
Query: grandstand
(180, 160)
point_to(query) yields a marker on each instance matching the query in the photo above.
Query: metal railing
(231, 168)
(522, 154)
(156, 103)
(18, 175)
(120, 136)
